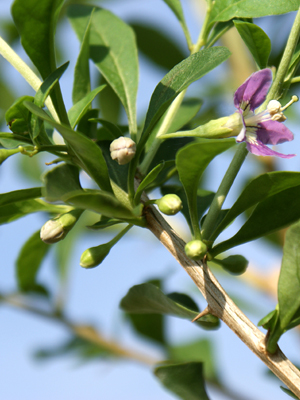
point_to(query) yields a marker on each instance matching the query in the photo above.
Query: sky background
(94, 295)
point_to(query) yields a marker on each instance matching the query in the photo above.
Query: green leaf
(179, 78)
(191, 162)
(113, 50)
(13, 211)
(256, 40)
(29, 261)
(149, 299)
(276, 212)
(224, 10)
(200, 350)
(113, 129)
(158, 47)
(185, 380)
(60, 180)
(80, 108)
(88, 155)
(256, 191)
(147, 181)
(20, 195)
(36, 22)
(176, 7)
(82, 81)
(289, 278)
(105, 222)
(100, 202)
(18, 117)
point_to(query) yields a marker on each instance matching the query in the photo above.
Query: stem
(221, 305)
(8, 53)
(276, 89)
(216, 205)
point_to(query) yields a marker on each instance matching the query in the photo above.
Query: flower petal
(273, 132)
(259, 149)
(254, 90)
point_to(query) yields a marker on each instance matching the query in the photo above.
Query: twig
(221, 305)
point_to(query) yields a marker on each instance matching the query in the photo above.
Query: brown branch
(221, 305)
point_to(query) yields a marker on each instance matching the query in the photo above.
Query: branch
(221, 305)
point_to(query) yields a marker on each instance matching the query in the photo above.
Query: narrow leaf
(79, 109)
(147, 181)
(20, 195)
(88, 155)
(113, 50)
(149, 299)
(256, 40)
(176, 7)
(185, 380)
(29, 261)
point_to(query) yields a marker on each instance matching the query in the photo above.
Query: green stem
(276, 89)
(216, 205)
(8, 53)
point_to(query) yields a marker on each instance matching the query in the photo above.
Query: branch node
(206, 311)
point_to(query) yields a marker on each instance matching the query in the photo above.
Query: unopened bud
(235, 264)
(57, 228)
(94, 256)
(122, 150)
(195, 249)
(170, 204)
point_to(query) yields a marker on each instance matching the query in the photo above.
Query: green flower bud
(122, 150)
(94, 256)
(195, 249)
(170, 204)
(57, 228)
(235, 264)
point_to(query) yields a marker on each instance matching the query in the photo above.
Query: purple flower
(265, 127)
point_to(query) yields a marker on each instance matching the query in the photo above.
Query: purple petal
(273, 132)
(260, 149)
(254, 90)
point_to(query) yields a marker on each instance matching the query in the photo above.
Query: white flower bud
(57, 228)
(122, 150)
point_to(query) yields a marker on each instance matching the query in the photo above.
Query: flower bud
(122, 150)
(170, 204)
(57, 228)
(195, 249)
(94, 256)
(235, 264)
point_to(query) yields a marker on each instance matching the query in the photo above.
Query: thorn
(202, 314)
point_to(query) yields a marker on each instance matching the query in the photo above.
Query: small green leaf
(20, 195)
(179, 78)
(114, 130)
(289, 393)
(11, 212)
(29, 261)
(80, 108)
(18, 117)
(147, 181)
(100, 202)
(191, 162)
(105, 222)
(82, 82)
(276, 212)
(113, 50)
(60, 180)
(176, 7)
(269, 320)
(256, 191)
(289, 278)
(185, 380)
(256, 40)
(88, 155)
(224, 10)
(148, 299)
